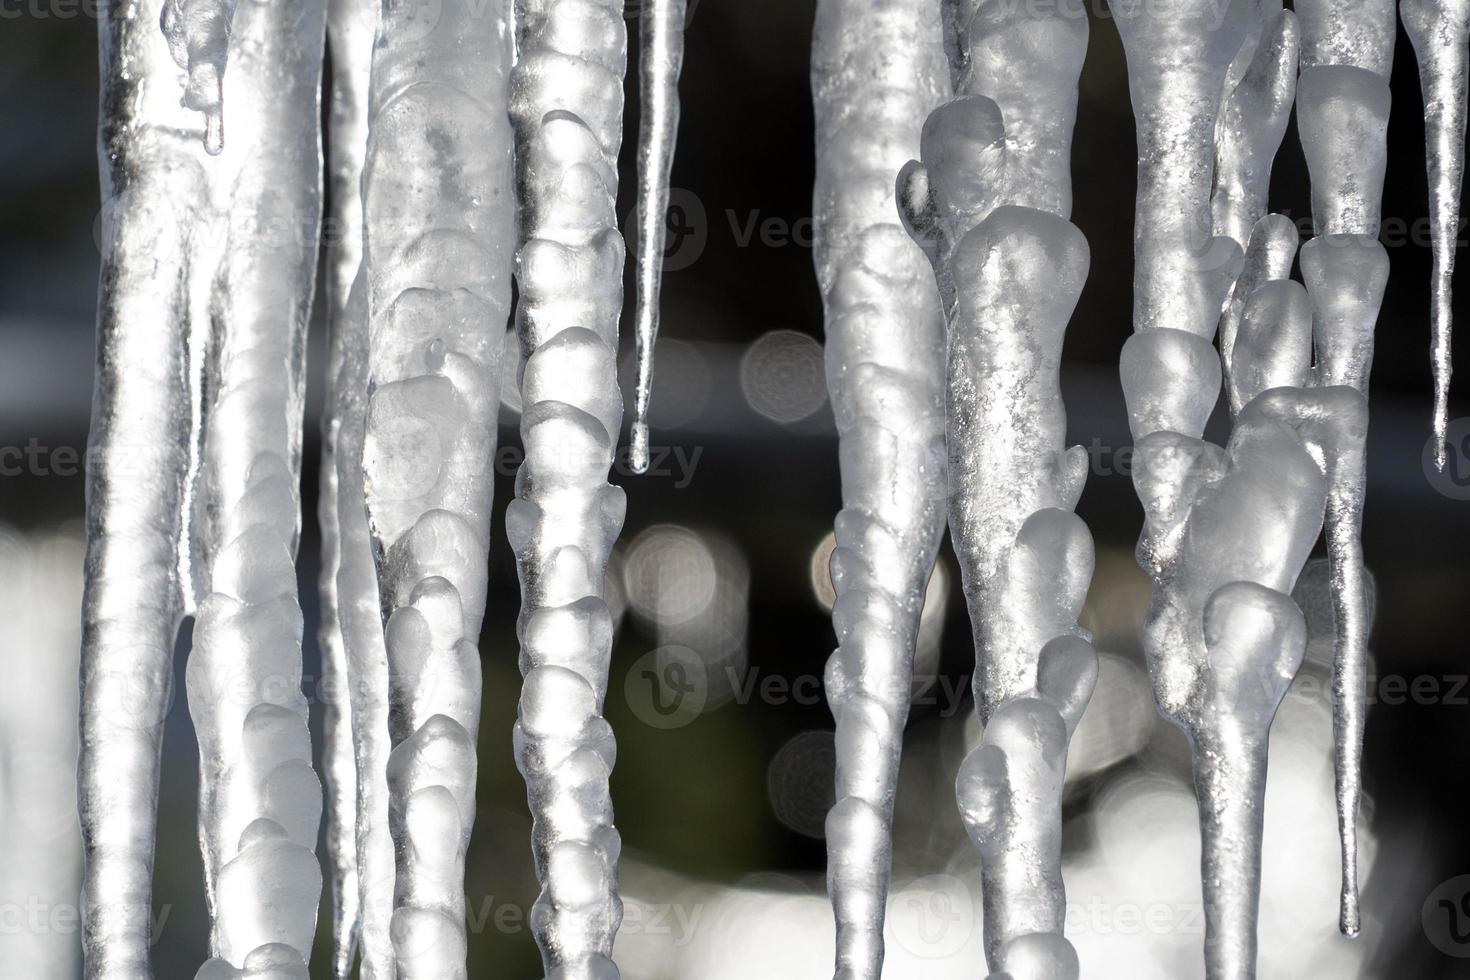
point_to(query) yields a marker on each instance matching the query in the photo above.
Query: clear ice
(260, 800)
(661, 55)
(1342, 116)
(439, 238)
(1227, 530)
(989, 201)
(567, 108)
(877, 70)
(192, 499)
(351, 25)
(1438, 31)
(198, 34)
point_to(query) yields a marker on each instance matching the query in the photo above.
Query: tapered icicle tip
(1349, 920)
(214, 133)
(638, 451)
(661, 56)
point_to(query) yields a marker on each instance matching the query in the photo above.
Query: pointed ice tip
(638, 451)
(1441, 428)
(214, 133)
(1348, 920)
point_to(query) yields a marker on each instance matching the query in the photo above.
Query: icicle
(198, 33)
(989, 202)
(439, 234)
(139, 458)
(260, 800)
(1438, 30)
(877, 70)
(661, 55)
(567, 107)
(1342, 115)
(171, 270)
(351, 25)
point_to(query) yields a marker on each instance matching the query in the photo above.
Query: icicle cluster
(989, 203)
(1438, 30)
(567, 107)
(877, 70)
(1228, 530)
(192, 494)
(1342, 115)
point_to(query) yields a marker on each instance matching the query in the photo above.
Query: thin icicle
(439, 236)
(351, 25)
(989, 202)
(1438, 30)
(359, 611)
(1342, 115)
(877, 70)
(567, 106)
(660, 57)
(198, 33)
(260, 800)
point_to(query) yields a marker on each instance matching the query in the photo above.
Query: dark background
(695, 799)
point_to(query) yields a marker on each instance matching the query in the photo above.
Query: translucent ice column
(351, 25)
(260, 800)
(1342, 115)
(660, 57)
(989, 203)
(877, 70)
(438, 212)
(139, 454)
(567, 107)
(1438, 30)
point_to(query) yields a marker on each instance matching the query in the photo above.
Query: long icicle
(567, 106)
(260, 800)
(877, 70)
(660, 58)
(990, 202)
(351, 25)
(1439, 30)
(138, 481)
(440, 234)
(1342, 116)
